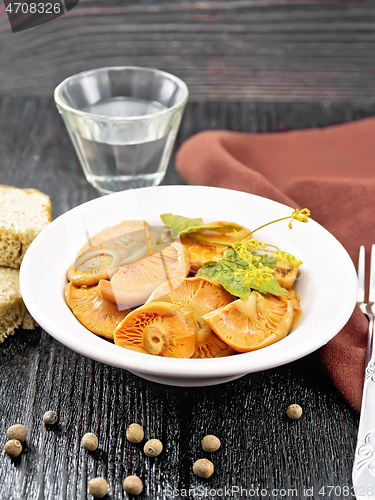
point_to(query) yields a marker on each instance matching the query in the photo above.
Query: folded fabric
(331, 171)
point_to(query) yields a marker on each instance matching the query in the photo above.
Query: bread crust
(21, 220)
(13, 312)
(47, 199)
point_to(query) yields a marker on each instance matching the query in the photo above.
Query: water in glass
(113, 163)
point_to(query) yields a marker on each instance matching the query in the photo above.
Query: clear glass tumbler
(123, 123)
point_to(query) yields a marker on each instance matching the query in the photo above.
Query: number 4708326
(34, 8)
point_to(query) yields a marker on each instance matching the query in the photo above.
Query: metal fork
(364, 461)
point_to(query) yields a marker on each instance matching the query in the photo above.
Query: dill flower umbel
(249, 264)
(255, 276)
(300, 215)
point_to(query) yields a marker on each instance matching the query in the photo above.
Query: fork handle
(364, 460)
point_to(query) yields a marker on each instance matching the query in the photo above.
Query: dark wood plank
(36, 150)
(261, 448)
(238, 50)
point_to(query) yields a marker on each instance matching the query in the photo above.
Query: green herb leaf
(238, 277)
(271, 287)
(222, 272)
(182, 225)
(179, 223)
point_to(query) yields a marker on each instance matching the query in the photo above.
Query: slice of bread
(13, 313)
(23, 215)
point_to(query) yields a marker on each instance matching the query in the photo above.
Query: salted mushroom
(197, 296)
(112, 247)
(210, 245)
(158, 328)
(258, 321)
(133, 283)
(97, 315)
(285, 275)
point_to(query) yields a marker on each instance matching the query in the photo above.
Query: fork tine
(371, 297)
(361, 275)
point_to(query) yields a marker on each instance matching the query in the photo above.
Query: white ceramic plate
(327, 285)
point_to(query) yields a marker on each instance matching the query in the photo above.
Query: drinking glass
(123, 123)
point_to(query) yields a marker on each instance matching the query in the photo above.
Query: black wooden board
(256, 50)
(261, 447)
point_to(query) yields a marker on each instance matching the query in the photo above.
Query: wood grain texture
(261, 447)
(225, 51)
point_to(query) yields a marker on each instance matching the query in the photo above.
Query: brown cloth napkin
(332, 172)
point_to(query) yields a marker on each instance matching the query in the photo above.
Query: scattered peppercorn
(134, 433)
(133, 485)
(210, 443)
(294, 412)
(203, 468)
(153, 448)
(98, 487)
(90, 441)
(50, 417)
(17, 431)
(13, 448)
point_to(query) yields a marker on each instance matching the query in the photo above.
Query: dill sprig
(254, 277)
(298, 215)
(249, 252)
(248, 264)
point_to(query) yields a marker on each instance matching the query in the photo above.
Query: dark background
(250, 66)
(225, 50)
